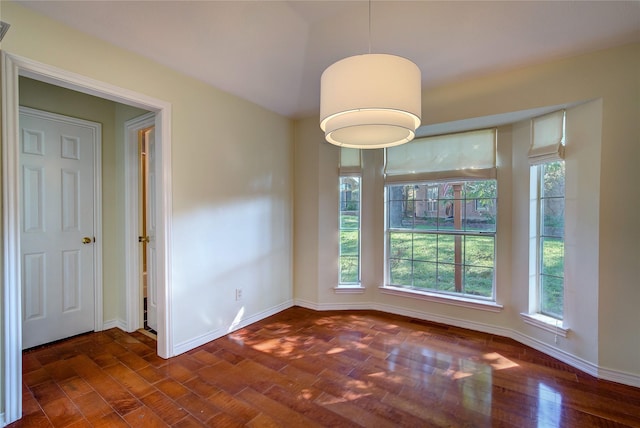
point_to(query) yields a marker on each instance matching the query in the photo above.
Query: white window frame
(536, 217)
(458, 298)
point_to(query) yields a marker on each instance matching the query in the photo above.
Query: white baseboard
(260, 316)
(306, 304)
(564, 356)
(455, 322)
(117, 323)
(332, 306)
(190, 344)
(619, 376)
(567, 358)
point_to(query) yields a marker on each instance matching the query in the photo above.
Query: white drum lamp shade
(370, 101)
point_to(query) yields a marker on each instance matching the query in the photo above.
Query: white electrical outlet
(238, 293)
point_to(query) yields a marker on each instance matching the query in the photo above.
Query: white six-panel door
(57, 235)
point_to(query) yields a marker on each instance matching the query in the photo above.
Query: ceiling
(274, 52)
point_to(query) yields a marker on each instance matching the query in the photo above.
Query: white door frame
(12, 67)
(96, 129)
(132, 219)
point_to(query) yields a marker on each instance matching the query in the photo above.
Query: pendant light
(370, 101)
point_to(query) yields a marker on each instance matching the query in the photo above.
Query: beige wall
(603, 201)
(231, 180)
(111, 115)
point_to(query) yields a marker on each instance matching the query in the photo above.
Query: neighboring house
(433, 201)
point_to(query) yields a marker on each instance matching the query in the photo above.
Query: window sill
(349, 289)
(439, 298)
(546, 323)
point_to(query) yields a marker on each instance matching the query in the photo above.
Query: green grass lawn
(552, 274)
(427, 261)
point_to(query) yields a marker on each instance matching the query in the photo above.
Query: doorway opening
(141, 225)
(12, 265)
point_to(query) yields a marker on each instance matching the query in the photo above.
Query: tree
(483, 190)
(554, 179)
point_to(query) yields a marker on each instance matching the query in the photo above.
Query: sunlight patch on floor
(275, 346)
(387, 376)
(498, 362)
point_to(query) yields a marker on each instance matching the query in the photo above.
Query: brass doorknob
(86, 240)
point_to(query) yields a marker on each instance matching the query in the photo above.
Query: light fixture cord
(369, 26)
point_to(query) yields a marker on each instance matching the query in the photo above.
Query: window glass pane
(552, 217)
(481, 215)
(483, 205)
(553, 179)
(551, 296)
(400, 245)
(479, 251)
(478, 281)
(466, 215)
(349, 269)
(349, 190)
(432, 196)
(400, 272)
(350, 219)
(445, 219)
(446, 248)
(400, 207)
(432, 219)
(446, 277)
(552, 250)
(446, 190)
(396, 215)
(349, 242)
(425, 274)
(480, 205)
(425, 247)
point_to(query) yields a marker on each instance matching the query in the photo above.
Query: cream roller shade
(546, 141)
(463, 155)
(350, 160)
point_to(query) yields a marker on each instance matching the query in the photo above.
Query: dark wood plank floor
(302, 368)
